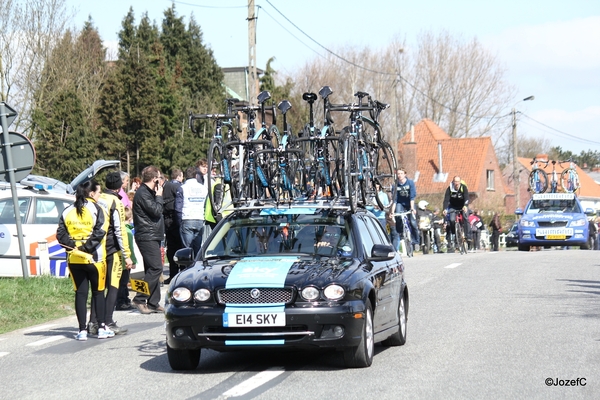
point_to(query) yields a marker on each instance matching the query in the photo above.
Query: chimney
(440, 176)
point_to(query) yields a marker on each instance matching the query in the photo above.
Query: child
(123, 301)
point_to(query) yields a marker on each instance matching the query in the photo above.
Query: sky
(550, 48)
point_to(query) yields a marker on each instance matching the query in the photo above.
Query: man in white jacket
(189, 208)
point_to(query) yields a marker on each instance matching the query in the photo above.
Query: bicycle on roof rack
(569, 179)
(321, 152)
(538, 179)
(221, 166)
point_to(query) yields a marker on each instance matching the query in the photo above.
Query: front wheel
(183, 360)
(538, 181)
(522, 247)
(461, 243)
(361, 356)
(385, 177)
(426, 242)
(569, 180)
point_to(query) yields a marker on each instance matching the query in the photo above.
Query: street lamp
(516, 174)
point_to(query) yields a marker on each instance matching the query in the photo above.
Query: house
(432, 158)
(589, 192)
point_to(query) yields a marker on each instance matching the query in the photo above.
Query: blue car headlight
(529, 224)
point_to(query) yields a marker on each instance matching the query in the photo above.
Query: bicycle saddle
(309, 97)
(285, 105)
(325, 92)
(263, 96)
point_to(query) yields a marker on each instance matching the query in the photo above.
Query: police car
(41, 202)
(553, 219)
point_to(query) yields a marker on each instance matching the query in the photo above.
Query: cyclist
(456, 200)
(405, 201)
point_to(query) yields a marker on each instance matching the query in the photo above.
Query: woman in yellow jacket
(82, 231)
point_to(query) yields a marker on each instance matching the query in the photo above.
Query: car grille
(555, 224)
(243, 296)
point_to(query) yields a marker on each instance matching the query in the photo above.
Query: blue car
(553, 219)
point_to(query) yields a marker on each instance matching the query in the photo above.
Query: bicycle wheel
(385, 166)
(569, 180)
(364, 177)
(216, 175)
(538, 181)
(231, 172)
(351, 171)
(407, 238)
(460, 237)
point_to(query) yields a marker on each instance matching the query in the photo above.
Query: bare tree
(29, 30)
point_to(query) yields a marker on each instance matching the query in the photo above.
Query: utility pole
(516, 175)
(252, 82)
(516, 170)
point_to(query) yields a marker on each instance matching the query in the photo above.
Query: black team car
(298, 277)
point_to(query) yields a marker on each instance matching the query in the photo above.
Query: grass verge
(32, 301)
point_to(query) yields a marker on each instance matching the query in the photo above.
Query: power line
(561, 132)
(203, 6)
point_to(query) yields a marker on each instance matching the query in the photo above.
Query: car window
(285, 234)
(553, 206)
(7, 210)
(377, 232)
(48, 211)
(365, 236)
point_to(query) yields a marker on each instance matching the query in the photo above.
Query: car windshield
(260, 235)
(553, 206)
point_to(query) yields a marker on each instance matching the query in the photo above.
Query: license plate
(253, 319)
(554, 232)
(556, 237)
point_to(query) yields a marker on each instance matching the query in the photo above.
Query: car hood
(271, 272)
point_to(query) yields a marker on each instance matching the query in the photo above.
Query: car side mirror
(184, 257)
(519, 211)
(382, 252)
(590, 212)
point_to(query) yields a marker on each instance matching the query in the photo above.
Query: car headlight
(527, 223)
(181, 294)
(202, 295)
(334, 292)
(579, 222)
(310, 293)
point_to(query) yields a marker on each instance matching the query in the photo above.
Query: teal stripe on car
(289, 211)
(260, 272)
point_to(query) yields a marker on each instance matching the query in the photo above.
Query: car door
(378, 273)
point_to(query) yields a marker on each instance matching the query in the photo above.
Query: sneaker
(118, 330)
(142, 308)
(81, 336)
(105, 332)
(92, 328)
(158, 309)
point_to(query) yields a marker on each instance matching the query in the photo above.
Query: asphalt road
(484, 325)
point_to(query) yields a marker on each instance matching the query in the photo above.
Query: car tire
(522, 247)
(361, 356)
(399, 338)
(183, 360)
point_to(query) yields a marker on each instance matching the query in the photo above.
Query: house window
(490, 180)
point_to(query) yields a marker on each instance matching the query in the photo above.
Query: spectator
(117, 246)
(171, 221)
(82, 231)
(189, 207)
(496, 230)
(149, 233)
(123, 189)
(475, 225)
(406, 193)
(123, 301)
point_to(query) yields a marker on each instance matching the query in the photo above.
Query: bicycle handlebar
(211, 116)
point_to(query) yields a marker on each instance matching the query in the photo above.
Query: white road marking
(254, 382)
(47, 340)
(39, 328)
(3, 353)
(453, 265)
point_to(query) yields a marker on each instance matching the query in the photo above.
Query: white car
(41, 202)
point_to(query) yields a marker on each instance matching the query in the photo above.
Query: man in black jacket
(149, 233)
(171, 223)
(456, 199)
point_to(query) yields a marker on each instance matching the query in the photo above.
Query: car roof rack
(297, 205)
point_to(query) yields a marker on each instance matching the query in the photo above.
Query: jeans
(191, 233)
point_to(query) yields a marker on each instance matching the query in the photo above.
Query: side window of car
(7, 210)
(365, 236)
(47, 211)
(377, 231)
